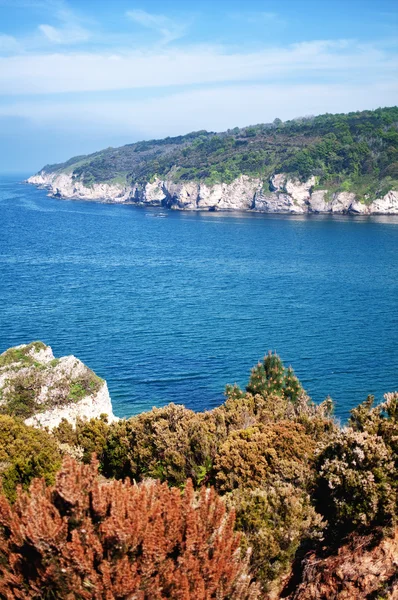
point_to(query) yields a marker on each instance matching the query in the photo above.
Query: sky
(77, 76)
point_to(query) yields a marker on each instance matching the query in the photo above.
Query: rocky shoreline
(282, 194)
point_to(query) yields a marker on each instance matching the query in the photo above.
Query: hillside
(312, 505)
(343, 151)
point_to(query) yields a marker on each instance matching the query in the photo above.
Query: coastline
(285, 196)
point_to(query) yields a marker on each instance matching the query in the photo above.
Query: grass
(21, 355)
(85, 385)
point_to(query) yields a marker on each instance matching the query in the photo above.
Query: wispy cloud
(67, 34)
(214, 108)
(80, 72)
(168, 29)
(69, 30)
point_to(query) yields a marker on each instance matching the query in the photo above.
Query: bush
(170, 444)
(250, 456)
(25, 453)
(274, 522)
(91, 539)
(86, 438)
(357, 482)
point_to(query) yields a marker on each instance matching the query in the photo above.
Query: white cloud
(215, 108)
(68, 34)
(69, 30)
(62, 72)
(167, 28)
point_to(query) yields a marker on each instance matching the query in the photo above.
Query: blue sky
(78, 76)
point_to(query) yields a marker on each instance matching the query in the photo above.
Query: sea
(171, 306)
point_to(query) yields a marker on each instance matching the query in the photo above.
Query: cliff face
(44, 390)
(281, 194)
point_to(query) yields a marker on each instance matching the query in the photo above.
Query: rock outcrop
(43, 390)
(281, 194)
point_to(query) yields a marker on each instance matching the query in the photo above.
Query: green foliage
(86, 384)
(338, 149)
(86, 438)
(271, 377)
(357, 482)
(25, 453)
(20, 397)
(275, 521)
(170, 444)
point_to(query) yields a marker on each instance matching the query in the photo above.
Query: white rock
(277, 203)
(289, 195)
(388, 205)
(359, 208)
(63, 185)
(89, 407)
(342, 201)
(318, 202)
(278, 182)
(154, 193)
(182, 196)
(52, 381)
(299, 191)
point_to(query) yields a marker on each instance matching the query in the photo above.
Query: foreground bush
(170, 444)
(274, 522)
(25, 453)
(88, 538)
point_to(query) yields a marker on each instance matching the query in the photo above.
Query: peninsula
(332, 163)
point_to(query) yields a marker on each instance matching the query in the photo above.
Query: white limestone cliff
(281, 194)
(44, 390)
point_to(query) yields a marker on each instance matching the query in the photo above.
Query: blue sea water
(171, 306)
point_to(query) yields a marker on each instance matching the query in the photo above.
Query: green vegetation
(84, 385)
(25, 453)
(21, 355)
(355, 151)
(295, 480)
(357, 484)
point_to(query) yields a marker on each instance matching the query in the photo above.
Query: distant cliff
(325, 164)
(287, 195)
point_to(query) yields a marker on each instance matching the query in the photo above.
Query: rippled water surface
(171, 306)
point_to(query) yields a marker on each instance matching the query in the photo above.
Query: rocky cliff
(43, 390)
(281, 194)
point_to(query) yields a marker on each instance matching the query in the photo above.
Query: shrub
(91, 539)
(25, 453)
(274, 522)
(86, 438)
(250, 456)
(170, 444)
(357, 482)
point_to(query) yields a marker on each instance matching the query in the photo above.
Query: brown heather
(89, 538)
